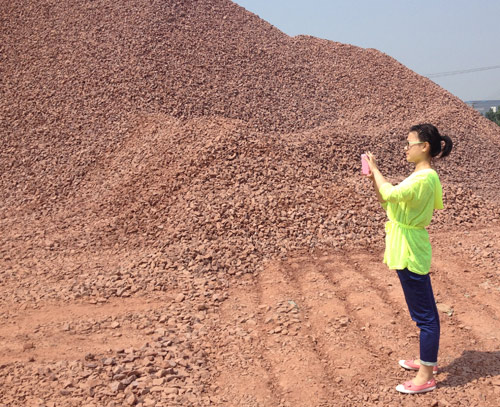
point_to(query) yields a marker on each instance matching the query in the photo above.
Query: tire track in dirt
(369, 302)
(407, 337)
(463, 348)
(443, 291)
(326, 307)
(342, 325)
(378, 324)
(381, 275)
(447, 289)
(307, 375)
(285, 370)
(328, 331)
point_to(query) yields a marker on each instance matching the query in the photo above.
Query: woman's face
(415, 149)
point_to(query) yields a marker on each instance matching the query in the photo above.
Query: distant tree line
(493, 116)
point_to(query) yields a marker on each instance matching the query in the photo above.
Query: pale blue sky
(428, 36)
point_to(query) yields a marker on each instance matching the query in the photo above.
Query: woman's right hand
(372, 163)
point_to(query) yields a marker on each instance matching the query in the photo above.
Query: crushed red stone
(168, 149)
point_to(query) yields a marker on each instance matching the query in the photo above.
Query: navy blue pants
(422, 306)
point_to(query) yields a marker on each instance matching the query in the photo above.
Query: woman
(409, 207)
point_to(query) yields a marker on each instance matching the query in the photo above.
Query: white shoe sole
(402, 389)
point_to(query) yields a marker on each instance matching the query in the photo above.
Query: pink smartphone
(364, 165)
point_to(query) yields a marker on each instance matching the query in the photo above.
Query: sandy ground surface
(320, 329)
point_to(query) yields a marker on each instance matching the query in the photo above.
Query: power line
(449, 73)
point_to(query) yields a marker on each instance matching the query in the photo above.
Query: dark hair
(427, 132)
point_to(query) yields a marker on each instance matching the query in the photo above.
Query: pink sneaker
(410, 388)
(411, 365)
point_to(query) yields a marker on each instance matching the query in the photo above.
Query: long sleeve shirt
(409, 207)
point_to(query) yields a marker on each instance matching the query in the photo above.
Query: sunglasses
(409, 144)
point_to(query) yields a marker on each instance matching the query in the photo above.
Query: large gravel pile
(199, 129)
(204, 138)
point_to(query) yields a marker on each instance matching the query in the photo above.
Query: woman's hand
(372, 164)
(375, 175)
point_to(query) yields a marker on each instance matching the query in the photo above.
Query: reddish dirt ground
(320, 329)
(328, 330)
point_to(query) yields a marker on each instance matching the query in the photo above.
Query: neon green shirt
(409, 206)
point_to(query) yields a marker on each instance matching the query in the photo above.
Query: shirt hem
(391, 267)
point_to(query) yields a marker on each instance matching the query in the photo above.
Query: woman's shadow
(469, 366)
